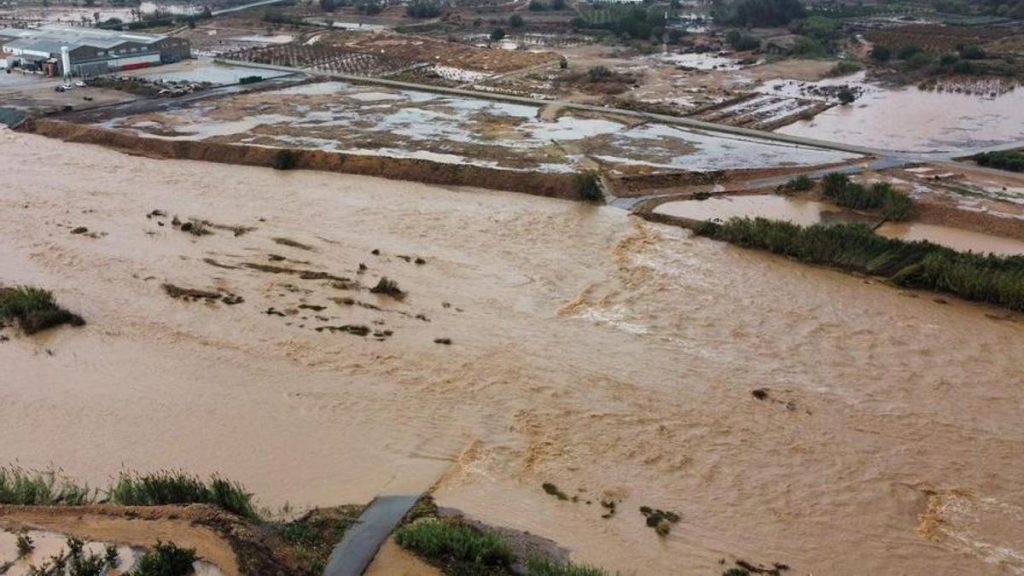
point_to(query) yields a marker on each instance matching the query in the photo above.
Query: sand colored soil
(610, 356)
(393, 560)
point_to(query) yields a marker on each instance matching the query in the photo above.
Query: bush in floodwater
(24, 544)
(880, 196)
(285, 160)
(388, 287)
(922, 265)
(34, 309)
(588, 187)
(166, 560)
(27, 488)
(453, 543)
(799, 184)
(170, 487)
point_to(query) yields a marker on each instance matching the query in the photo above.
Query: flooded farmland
(798, 211)
(335, 116)
(884, 441)
(912, 119)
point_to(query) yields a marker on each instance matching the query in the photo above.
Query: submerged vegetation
(921, 265)
(170, 487)
(880, 196)
(34, 309)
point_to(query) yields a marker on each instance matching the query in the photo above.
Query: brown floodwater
(612, 357)
(796, 210)
(956, 238)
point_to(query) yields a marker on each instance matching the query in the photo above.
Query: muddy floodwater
(610, 356)
(912, 119)
(963, 240)
(796, 210)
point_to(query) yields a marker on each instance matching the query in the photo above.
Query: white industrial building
(60, 51)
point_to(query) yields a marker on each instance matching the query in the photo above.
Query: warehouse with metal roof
(61, 51)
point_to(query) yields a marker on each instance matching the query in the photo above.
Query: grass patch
(880, 197)
(313, 536)
(170, 487)
(166, 560)
(43, 488)
(34, 309)
(922, 265)
(456, 547)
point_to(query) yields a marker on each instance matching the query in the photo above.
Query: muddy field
(339, 117)
(887, 410)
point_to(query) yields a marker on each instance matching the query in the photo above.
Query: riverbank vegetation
(880, 197)
(1009, 160)
(171, 487)
(34, 309)
(920, 265)
(33, 488)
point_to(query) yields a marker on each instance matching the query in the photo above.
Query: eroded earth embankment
(539, 184)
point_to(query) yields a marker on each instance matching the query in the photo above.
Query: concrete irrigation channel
(361, 542)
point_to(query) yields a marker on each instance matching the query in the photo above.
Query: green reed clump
(922, 265)
(880, 197)
(451, 543)
(34, 309)
(174, 487)
(34, 487)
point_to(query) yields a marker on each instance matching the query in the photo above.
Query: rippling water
(612, 357)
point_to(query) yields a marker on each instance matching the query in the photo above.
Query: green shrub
(166, 560)
(454, 543)
(799, 184)
(285, 160)
(880, 197)
(1012, 161)
(34, 309)
(588, 187)
(169, 487)
(26, 488)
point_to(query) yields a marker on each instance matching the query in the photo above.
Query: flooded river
(612, 357)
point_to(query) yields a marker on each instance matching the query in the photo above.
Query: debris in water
(760, 393)
(80, 230)
(660, 520)
(389, 288)
(550, 488)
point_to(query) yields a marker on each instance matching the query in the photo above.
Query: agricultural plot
(339, 117)
(322, 58)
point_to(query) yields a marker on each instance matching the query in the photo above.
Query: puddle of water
(795, 210)
(702, 61)
(962, 240)
(47, 545)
